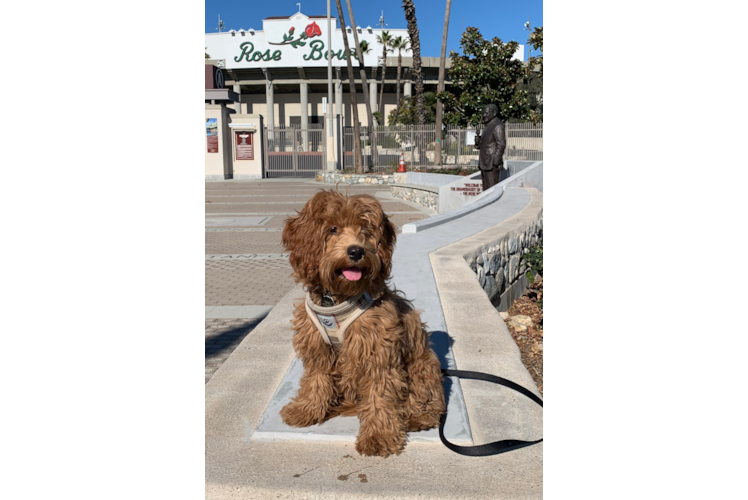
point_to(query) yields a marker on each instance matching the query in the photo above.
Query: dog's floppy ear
(372, 213)
(302, 237)
(386, 245)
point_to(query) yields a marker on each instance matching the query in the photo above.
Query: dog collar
(333, 321)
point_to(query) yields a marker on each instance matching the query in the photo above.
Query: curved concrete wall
(424, 179)
(531, 176)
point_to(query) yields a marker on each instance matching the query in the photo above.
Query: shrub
(453, 171)
(534, 261)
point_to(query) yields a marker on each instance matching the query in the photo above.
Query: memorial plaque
(469, 189)
(211, 127)
(244, 147)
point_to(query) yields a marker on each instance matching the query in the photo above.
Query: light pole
(529, 32)
(328, 118)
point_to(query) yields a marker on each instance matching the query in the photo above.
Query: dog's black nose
(355, 252)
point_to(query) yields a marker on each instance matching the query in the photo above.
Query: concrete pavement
(239, 466)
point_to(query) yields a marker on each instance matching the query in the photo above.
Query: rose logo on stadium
(310, 31)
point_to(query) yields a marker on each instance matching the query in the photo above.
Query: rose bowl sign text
(297, 41)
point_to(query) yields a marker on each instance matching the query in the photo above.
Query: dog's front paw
(298, 414)
(380, 444)
(423, 422)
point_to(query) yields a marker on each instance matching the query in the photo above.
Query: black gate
(294, 151)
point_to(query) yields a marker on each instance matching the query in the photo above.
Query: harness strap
(496, 447)
(332, 322)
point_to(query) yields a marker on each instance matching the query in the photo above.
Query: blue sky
(645, 13)
(500, 18)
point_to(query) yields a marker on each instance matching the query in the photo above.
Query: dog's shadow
(441, 343)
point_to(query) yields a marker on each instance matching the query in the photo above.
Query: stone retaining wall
(335, 177)
(424, 197)
(498, 266)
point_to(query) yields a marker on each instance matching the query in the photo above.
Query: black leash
(484, 450)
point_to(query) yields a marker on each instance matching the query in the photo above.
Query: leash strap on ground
(496, 447)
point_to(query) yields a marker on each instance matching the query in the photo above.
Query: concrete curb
(482, 341)
(533, 173)
(237, 312)
(492, 195)
(430, 189)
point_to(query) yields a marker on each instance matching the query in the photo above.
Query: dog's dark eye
(333, 230)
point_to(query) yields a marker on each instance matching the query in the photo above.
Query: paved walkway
(245, 263)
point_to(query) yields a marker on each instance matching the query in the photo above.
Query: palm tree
(386, 40)
(415, 44)
(365, 49)
(400, 44)
(354, 105)
(362, 69)
(440, 88)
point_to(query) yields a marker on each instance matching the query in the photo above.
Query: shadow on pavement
(230, 338)
(441, 342)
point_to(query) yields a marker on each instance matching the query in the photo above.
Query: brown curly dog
(364, 349)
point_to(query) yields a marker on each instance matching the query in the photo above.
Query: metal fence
(294, 151)
(416, 143)
(524, 141)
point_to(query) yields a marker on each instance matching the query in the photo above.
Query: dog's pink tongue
(352, 273)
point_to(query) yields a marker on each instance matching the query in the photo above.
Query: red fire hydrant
(401, 168)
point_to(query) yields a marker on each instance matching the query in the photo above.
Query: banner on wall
(211, 128)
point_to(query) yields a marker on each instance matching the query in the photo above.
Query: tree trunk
(372, 136)
(354, 106)
(415, 47)
(440, 88)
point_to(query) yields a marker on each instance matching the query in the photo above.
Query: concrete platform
(272, 428)
(429, 271)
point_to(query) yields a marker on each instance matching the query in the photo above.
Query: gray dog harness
(333, 321)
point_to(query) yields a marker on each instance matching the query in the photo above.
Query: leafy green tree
(536, 40)
(206, 54)
(533, 82)
(408, 114)
(484, 74)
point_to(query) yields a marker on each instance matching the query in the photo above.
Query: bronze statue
(491, 145)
